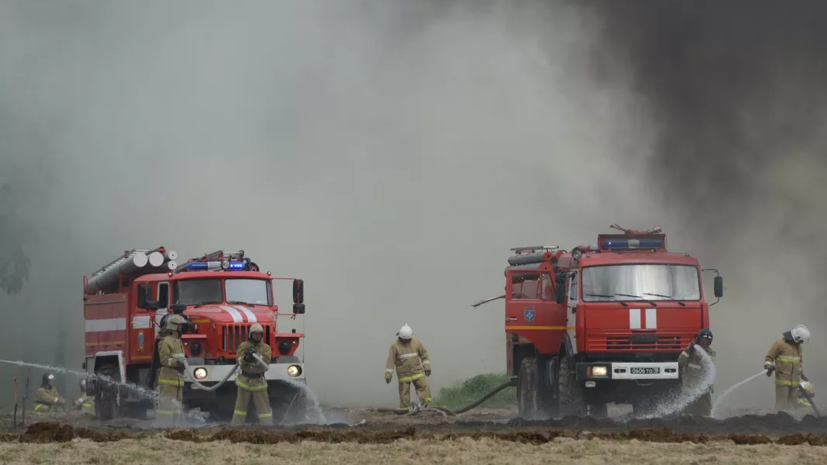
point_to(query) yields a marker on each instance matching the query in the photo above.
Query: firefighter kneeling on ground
(806, 385)
(46, 395)
(786, 359)
(405, 354)
(251, 382)
(694, 372)
(85, 403)
(171, 374)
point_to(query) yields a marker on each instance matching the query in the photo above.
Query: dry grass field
(159, 450)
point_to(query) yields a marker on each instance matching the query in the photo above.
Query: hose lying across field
(510, 383)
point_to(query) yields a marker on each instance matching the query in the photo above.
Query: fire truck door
(572, 299)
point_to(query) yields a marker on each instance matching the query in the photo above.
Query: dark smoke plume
(735, 95)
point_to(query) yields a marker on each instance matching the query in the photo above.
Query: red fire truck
(604, 323)
(220, 295)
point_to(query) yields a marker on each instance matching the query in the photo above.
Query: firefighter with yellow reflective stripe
(85, 403)
(785, 358)
(171, 374)
(251, 382)
(410, 358)
(46, 396)
(695, 370)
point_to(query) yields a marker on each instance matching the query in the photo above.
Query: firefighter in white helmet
(171, 374)
(46, 396)
(785, 358)
(251, 382)
(410, 358)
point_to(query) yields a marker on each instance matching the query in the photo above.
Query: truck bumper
(211, 374)
(626, 371)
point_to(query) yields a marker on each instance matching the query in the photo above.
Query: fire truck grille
(637, 342)
(233, 335)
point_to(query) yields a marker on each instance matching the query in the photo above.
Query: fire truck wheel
(599, 410)
(106, 393)
(570, 394)
(528, 390)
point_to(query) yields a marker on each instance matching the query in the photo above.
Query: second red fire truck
(603, 323)
(221, 295)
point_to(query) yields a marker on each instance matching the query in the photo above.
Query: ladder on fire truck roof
(533, 249)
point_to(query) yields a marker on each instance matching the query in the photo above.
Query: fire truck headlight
(294, 370)
(200, 373)
(599, 371)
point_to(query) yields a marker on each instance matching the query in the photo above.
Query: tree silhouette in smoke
(14, 263)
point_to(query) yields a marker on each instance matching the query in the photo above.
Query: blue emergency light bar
(215, 265)
(629, 244)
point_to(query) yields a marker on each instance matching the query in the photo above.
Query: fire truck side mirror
(298, 291)
(719, 286)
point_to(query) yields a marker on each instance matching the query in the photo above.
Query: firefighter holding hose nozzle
(171, 374)
(694, 371)
(47, 396)
(251, 382)
(785, 358)
(410, 358)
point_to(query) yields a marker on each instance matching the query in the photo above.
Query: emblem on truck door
(529, 315)
(140, 340)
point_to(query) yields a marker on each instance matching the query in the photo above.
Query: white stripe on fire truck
(251, 317)
(634, 318)
(112, 324)
(651, 318)
(233, 313)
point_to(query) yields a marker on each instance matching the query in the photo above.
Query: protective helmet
(83, 384)
(174, 322)
(705, 333)
(800, 333)
(255, 328)
(405, 332)
(808, 386)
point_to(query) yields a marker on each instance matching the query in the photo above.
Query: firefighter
(694, 371)
(46, 395)
(785, 358)
(171, 374)
(806, 385)
(251, 382)
(406, 353)
(85, 403)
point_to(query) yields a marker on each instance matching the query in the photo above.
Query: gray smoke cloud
(388, 153)
(734, 91)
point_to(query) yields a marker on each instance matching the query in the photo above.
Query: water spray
(686, 397)
(733, 388)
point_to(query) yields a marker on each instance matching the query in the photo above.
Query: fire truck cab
(220, 295)
(604, 323)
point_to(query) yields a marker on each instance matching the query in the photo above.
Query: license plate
(645, 371)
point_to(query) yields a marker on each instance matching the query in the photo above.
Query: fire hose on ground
(446, 411)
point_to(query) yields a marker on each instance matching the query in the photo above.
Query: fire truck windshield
(198, 292)
(648, 281)
(247, 291)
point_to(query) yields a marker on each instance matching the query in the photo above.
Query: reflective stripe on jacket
(788, 360)
(409, 357)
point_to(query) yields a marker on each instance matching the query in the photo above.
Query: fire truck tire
(599, 410)
(106, 394)
(528, 390)
(570, 395)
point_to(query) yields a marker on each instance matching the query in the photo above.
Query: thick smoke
(734, 91)
(387, 152)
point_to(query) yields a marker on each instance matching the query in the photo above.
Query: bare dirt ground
(156, 450)
(481, 436)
